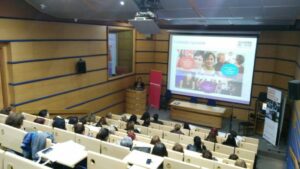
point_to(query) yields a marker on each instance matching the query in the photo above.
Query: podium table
(197, 113)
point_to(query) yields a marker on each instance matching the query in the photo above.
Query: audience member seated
(14, 120)
(155, 140)
(145, 116)
(177, 129)
(39, 120)
(44, 113)
(6, 111)
(233, 157)
(212, 135)
(208, 155)
(155, 119)
(82, 120)
(160, 149)
(240, 163)
(230, 141)
(103, 134)
(79, 128)
(186, 126)
(197, 146)
(178, 147)
(109, 115)
(131, 134)
(91, 119)
(73, 120)
(126, 142)
(134, 119)
(124, 118)
(146, 122)
(130, 126)
(59, 122)
(102, 121)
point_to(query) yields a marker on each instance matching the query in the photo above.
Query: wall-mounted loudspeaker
(294, 89)
(81, 66)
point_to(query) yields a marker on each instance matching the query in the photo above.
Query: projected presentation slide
(213, 67)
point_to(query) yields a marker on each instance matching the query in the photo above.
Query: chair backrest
(155, 126)
(29, 126)
(142, 129)
(142, 138)
(29, 117)
(202, 130)
(194, 133)
(168, 145)
(249, 146)
(115, 139)
(195, 158)
(220, 139)
(114, 150)
(166, 128)
(63, 135)
(70, 127)
(100, 161)
(116, 116)
(121, 134)
(170, 163)
(186, 139)
(209, 145)
(90, 143)
(220, 165)
(113, 122)
(246, 154)
(185, 131)
(228, 161)
(91, 130)
(153, 132)
(220, 155)
(13, 161)
(220, 148)
(171, 136)
(1, 158)
(175, 155)
(11, 137)
(3, 118)
(166, 122)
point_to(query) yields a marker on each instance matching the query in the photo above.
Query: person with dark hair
(178, 147)
(59, 122)
(73, 120)
(103, 134)
(155, 140)
(134, 119)
(198, 58)
(130, 127)
(146, 122)
(79, 128)
(145, 116)
(209, 62)
(102, 121)
(176, 129)
(6, 111)
(131, 134)
(186, 126)
(82, 120)
(39, 120)
(221, 60)
(212, 135)
(124, 118)
(197, 146)
(239, 63)
(230, 141)
(233, 157)
(155, 119)
(44, 113)
(14, 120)
(160, 149)
(207, 154)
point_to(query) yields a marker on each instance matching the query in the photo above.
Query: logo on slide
(229, 70)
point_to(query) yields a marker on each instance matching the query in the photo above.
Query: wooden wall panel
(142, 45)
(116, 109)
(162, 46)
(144, 57)
(287, 68)
(42, 50)
(84, 95)
(161, 67)
(48, 87)
(277, 51)
(38, 70)
(161, 57)
(163, 35)
(23, 29)
(264, 64)
(143, 68)
(280, 37)
(263, 78)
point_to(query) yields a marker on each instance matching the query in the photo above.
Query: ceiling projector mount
(144, 20)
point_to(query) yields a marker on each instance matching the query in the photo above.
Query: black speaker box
(81, 66)
(294, 89)
(262, 96)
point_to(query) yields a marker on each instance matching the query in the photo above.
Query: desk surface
(139, 158)
(198, 107)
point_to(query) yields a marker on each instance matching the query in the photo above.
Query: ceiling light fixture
(122, 3)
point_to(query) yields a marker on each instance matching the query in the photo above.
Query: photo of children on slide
(210, 71)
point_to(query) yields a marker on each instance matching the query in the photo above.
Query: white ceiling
(180, 12)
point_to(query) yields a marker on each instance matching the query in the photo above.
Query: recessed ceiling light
(43, 6)
(122, 3)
